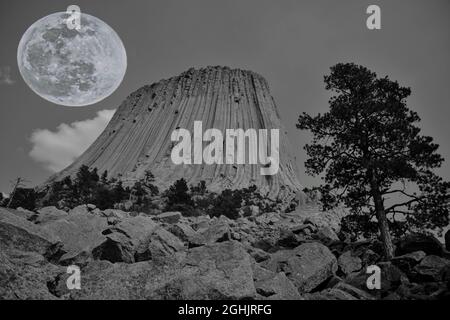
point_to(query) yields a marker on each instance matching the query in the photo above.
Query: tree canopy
(372, 156)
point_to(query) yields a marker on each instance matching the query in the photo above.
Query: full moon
(71, 67)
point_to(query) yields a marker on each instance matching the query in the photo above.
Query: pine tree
(369, 149)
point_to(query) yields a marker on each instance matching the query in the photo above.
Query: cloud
(5, 76)
(58, 149)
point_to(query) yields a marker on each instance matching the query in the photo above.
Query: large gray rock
(183, 231)
(169, 217)
(123, 239)
(277, 287)
(80, 234)
(138, 239)
(432, 268)
(217, 271)
(348, 263)
(115, 213)
(407, 261)
(25, 275)
(49, 214)
(18, 233)
(217, 231)
(308, 265)
(24, 213)
(161, 247)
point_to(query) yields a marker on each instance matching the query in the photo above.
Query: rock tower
(138, 137)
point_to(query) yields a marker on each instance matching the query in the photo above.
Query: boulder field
(295, 256)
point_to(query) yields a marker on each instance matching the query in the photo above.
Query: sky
(292, 43)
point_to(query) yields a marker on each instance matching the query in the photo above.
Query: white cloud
(58, 149)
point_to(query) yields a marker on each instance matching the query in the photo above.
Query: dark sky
(290, 42)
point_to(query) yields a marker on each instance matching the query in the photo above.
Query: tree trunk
(382, 221)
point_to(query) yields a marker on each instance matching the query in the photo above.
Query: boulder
(217, 231)
(216, 271)
(348, 263)
(307, 266)
(183, 231)
(432, 268)
(115, 213)
(24, 213)
(419, 242)
(250, 211)
(25, 276)
(369, 257)
(257, 254)
(326, 235)
(288, 239)
(277, 287)
(18, 233)
(407, 261)
(138, 239)
(80, 233)
(48, 214)
(269, 218)
(200, 223)
(123, 239)
(161, 247)
(81, 209)
(169, 217)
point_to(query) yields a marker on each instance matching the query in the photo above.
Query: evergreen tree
(369, 149)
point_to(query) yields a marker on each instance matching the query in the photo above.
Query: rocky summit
(294, 256)
(138, 137)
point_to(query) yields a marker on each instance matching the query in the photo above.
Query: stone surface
(432, 268)
(136, 138)
(217, 231)
(355, 292)
(326, 234)
(169, 217)
(25, 277)
(24, 213)
(138, 239)
(49, 214)
(183, 231)
(217, 271)
(18, 233)
(277, 287)
(79, 233)
(348, 263)
(407, 261)
(308, 265)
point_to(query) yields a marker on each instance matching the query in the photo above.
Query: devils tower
(138, 137)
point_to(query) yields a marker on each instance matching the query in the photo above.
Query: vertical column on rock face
(138, 138)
